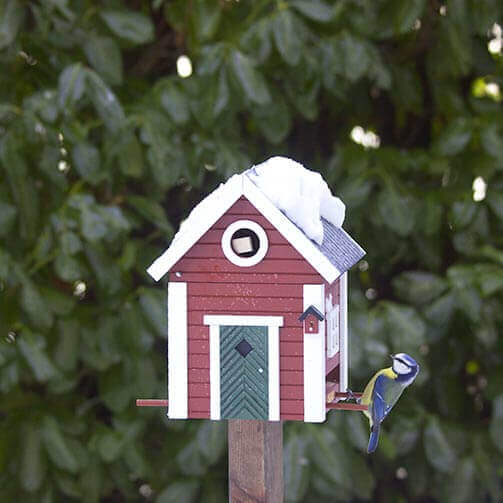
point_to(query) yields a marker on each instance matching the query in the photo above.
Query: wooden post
(255, 461)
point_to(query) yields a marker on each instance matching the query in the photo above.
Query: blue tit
(383, 391)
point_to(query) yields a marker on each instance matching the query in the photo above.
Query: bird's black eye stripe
(405, 363)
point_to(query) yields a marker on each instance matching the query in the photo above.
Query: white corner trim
(314, 359)
(177, 351)
(227, 246)
(228, 194)
(290, 231)
(229, 319)
(215, 372)
(273, 350)
(343, 338)
(272, 323)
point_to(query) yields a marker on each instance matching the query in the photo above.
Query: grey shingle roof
(339, 247)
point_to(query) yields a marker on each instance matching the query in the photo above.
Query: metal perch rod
(151, 402)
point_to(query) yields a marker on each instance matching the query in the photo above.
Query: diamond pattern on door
(243, 348)
(244, 382)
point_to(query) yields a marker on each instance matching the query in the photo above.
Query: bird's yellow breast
(367, 392)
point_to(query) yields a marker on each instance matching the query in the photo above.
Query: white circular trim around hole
(235, 258)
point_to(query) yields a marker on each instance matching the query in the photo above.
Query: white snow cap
(300, 193)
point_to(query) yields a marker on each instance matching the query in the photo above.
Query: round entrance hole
(244, 243)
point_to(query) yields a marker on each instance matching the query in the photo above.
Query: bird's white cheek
(400, 368)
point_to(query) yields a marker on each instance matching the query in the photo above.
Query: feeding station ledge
(346, 405)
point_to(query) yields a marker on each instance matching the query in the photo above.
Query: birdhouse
(257, 298)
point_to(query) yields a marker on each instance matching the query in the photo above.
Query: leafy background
(104, 149)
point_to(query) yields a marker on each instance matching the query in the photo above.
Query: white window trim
(234, 257)
(314, 359)
(272, 323)
(333, 318)
(177, 351)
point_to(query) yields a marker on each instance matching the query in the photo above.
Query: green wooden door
(244, 381)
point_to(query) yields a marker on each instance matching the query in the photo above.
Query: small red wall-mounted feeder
(311, 318)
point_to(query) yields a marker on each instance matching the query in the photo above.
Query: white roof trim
(227, 195)
(222, 199)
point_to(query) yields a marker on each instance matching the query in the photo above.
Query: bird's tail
(374, 438)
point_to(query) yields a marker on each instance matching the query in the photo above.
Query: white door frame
(272, 323)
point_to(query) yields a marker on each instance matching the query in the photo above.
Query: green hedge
(104, 149)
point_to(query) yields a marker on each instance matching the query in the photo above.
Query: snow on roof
(301, 194)
(295, 200)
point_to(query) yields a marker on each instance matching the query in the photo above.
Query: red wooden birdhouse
(257, 299)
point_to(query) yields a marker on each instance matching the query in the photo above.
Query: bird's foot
(351, 396)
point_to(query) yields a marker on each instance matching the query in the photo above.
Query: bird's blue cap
(405, 358)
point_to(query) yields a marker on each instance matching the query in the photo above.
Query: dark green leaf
(274, 120)
(153, 304)
(92, 224)
(36, 358)
(91, 481)
(132, 26)
(463, 212)
(151, 211)
(295, 469)
(489, 278)
(7, 217)
(105, 57)
(179, 492)
(351, 56)
(211, 438)
(406, 329)
(454, 138)
(459, 488)
(190, 460)
(287, 32)
(56, 446)
(175, 103)
(440, 312)
(131, 157)
(405, 14)
(257, 39)
(33, 467)
(86, 159)
(397, 211)
(206, 17)
(418, 287)
(105, 102)
(22, 186)
(34, 305)
(105, 268)
(439, 453)
(110, 444)
(315, 10)
(11, 17)
(492, 141)
(495, 200)
(250, 79)
(66, 353)
(67, 267)
(71, 85)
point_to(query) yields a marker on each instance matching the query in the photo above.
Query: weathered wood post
(255, 461)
